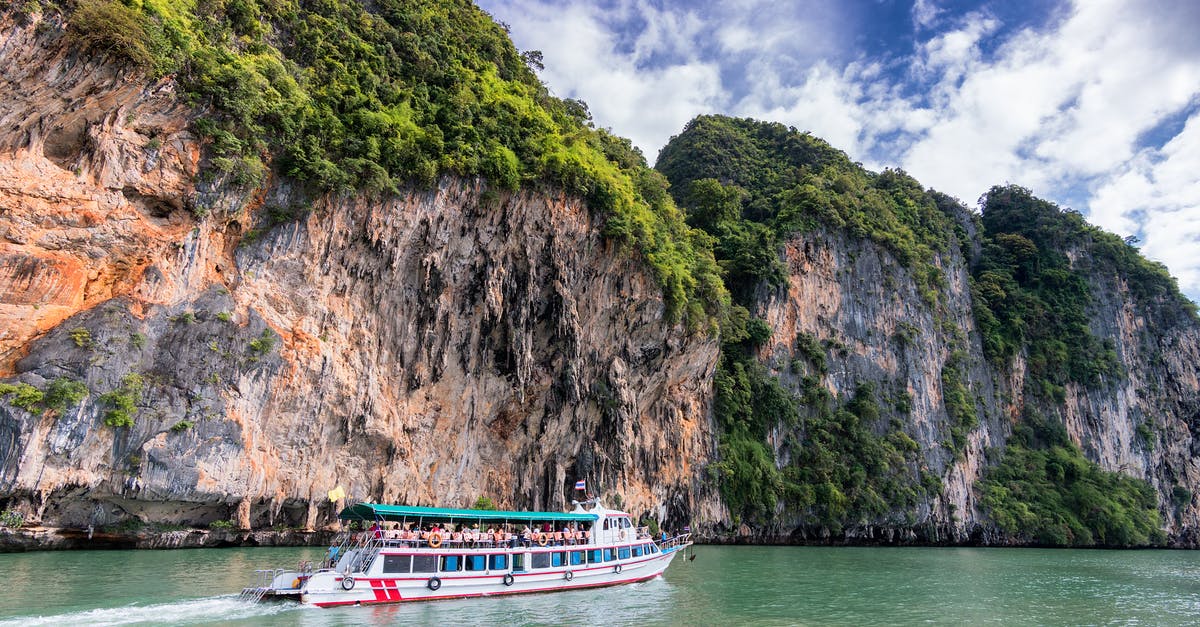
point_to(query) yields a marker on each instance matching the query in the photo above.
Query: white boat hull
(325, 588)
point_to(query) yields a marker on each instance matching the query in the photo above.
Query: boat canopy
(402, 513)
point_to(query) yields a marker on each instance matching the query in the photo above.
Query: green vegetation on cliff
(750, 185)
(1045, 492)
(838, 464)
(1031, 290)
(346, 95)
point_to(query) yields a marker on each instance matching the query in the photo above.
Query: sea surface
(722, 586)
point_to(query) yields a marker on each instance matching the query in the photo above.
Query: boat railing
(368, 540)
(680, 540)
(264, 580)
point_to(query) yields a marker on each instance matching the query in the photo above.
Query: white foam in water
(208, 609)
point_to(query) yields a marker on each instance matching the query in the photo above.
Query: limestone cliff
(905, 404)
(431, 347)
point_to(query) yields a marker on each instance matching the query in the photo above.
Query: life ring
(508, 579)
(568, 575)
(542, 539)
(617, 569)
(622, 534)
(435, 540)
(433, 584)
(347, 583)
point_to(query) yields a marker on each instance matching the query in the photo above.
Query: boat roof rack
(401, 513)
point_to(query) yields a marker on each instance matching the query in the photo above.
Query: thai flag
(580, 485)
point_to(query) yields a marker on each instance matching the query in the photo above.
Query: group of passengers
(437, 534)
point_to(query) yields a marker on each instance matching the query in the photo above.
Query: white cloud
(1157, 196)
(925, 13)
(1059, 107)
(583, 60)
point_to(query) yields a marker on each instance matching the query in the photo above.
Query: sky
(1094, 105)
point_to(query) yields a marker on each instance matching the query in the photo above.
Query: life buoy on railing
(568, 575)
(617, 569)
(542, 539)
(347, 583)
(508, 579)
(435, 540)
(433, 584)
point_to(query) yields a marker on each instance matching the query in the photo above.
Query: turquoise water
(722, 586)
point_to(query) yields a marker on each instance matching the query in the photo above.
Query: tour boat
(427, 553)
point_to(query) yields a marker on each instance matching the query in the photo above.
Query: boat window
(576, 558)
(594, 556)
(556, 559)
(518, 561)
(476, 562)
(637, 550)
(540, 560)
(654, 548)
(397, 563)
(451, 563)
(623, 552)
(425, 563)
(608, 555)
(499, 562)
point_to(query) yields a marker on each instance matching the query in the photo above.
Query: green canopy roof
(399, 513)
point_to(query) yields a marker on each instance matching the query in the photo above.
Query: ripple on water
(723, 586)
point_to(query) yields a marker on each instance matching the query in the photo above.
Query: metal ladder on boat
(264, 578)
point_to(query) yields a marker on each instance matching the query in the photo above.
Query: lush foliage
(60, 394)
(81, 336)
(63, 393)
(347, 95)
(752, 184)
(22, 395)
(122, 402)
(960, 405)
(12, 519)
(1030, 295)
(1045, 492)
(262, 344)
(106, 26)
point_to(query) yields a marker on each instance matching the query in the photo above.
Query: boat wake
(187, 612)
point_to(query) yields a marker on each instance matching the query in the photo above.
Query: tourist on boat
(377, 531)
(527, 537)
(332, 558)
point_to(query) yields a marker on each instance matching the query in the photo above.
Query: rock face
(860, 302)
(451, 343)
(430, 348)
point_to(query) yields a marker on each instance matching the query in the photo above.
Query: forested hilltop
(980, 350)
(260, 249)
